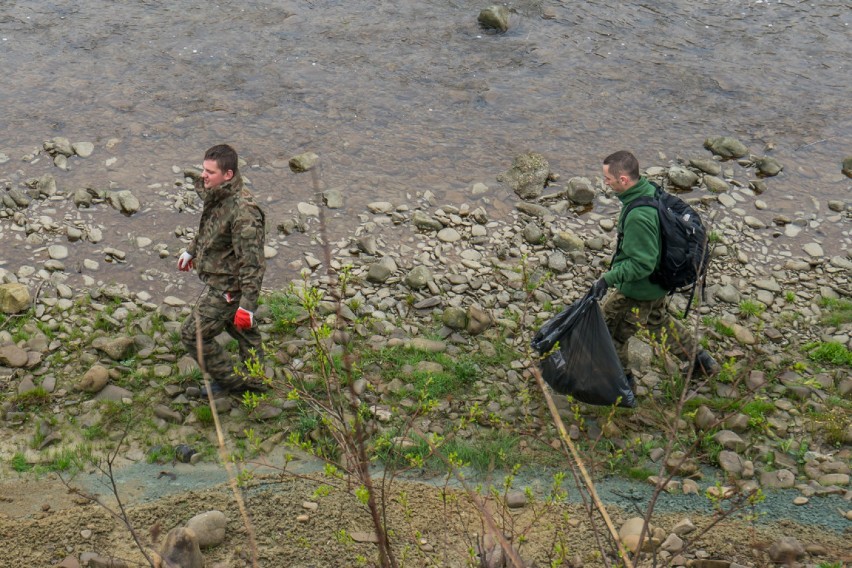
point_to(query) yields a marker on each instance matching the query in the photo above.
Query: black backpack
(684, 251)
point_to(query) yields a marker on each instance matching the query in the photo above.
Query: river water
(406, 96)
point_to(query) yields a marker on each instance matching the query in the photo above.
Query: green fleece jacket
(639, 253)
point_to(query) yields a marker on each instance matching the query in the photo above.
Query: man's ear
(229, 175)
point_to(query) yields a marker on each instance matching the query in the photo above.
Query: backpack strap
(644, 201)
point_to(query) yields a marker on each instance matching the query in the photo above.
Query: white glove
(185, 262)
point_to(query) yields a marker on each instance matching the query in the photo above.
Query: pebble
(800, 501)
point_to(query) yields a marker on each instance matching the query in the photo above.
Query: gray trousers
(625, 316)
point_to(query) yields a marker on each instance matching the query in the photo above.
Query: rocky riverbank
(440, 303)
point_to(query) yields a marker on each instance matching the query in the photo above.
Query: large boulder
(681, 177)
(527, 176)
(382, 270)
(494, 18)
(14, 298)
(209, 528)
(181, 549)
(124, 201)
(847, 166)
(726, 147)
(581, 191)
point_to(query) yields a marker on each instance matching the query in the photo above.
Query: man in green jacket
(636, 302)
(227, 253)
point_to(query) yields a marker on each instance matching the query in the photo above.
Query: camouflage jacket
(228, 247)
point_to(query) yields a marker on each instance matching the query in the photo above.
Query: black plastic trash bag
(585, 364)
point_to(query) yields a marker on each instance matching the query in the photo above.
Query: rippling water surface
(405, 96)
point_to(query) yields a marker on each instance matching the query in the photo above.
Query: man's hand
(243, 319)
(185, 263)
(599, 289)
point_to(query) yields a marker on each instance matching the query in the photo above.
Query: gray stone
(425, 222)
(834, 479)
(382, 270)
(307, 209)
(683, 527)
(94, 380)
(768, 166)
(706, 165)
(380, 207)
(46, 186)
(181, 548)
(557, 262)
(114, 393)
(494, 18)
(528, 174)
(532, 209)
(333, 198)
(448, 235)
(681, 177)
(786, 550)
(428, 345)
(14, 298)
(454, 318)
(779, 479)
(731, 462)
(729, 440)
(117, 349)
(57, 252)
(533, 234)
(846, 168)
(124, 201)
(568, 241)
(478, 320)
(673, 544)
(581, 191)
(83, 149)
(716, 185)
(726, 147)
(13, 356)
(516, 499)
(303, 162)
(419, 277)
(209, 527)
(167, 414)
(704, 418)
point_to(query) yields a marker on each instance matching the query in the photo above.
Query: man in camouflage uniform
(227, 253)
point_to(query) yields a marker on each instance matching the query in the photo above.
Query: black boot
(705, 365)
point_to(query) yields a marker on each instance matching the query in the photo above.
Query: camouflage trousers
(216, 315)
(625, 316)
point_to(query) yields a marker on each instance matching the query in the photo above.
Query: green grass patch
(454, 375)
(204, 414)
(830, 353)
(70, 459)
(639, 473)
(757, 411)
(286, 311)
(161, 454)
(35, 398)
(95, 432)
(494, 450)
(750, 308)
(19, 463)
(836, 312)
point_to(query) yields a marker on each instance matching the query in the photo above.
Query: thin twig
(220, 436)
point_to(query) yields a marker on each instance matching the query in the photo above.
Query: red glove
(185, 262)
(243, 319)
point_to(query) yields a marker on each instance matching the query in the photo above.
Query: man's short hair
(622, 163)
(225, 157)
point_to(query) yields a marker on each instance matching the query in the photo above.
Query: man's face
(212, 176)
(619, 184)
